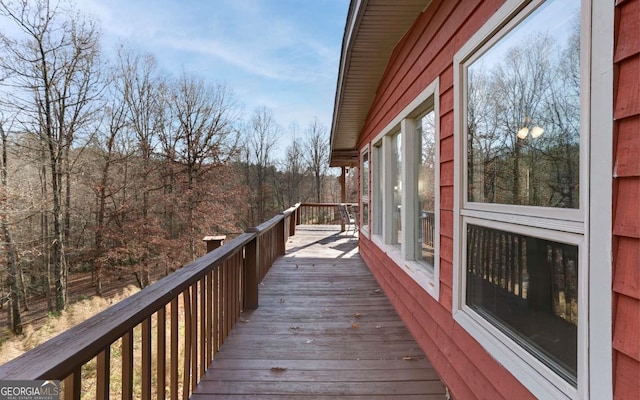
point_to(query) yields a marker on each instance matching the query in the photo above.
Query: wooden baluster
(203, 327)
(224, 293)
(174, 349)
(194, 336)
(103, 374)
(186, 381)
(161, 375)
(72, 385)
(227, 298)
(127, 366)
(210, 317)
(236, 289)
(241, 268)
(216, 310)
(146, 358)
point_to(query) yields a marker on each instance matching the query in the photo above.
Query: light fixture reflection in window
(536, 131)
(522, 133)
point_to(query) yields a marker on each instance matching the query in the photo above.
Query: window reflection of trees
(523, 123)
(426, 176)
(426, 129)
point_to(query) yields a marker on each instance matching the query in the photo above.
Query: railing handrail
(324, 204)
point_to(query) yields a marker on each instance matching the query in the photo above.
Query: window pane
(528, 288)
(365, 175)
(365, 215)
(523, 113)
(426, 188)
(377, 189)
(396, 206)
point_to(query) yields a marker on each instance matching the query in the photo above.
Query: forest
(111, 165)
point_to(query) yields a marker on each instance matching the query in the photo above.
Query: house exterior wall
(425, 53)
(626, 206)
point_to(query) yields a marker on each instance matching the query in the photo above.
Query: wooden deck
(324, 329)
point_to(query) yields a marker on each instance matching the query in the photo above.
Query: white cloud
(280, 54)
(244, 34)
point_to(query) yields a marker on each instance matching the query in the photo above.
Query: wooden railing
(427, 223)
(319, 214)
(164, 337)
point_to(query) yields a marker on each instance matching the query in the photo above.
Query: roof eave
(373, 29)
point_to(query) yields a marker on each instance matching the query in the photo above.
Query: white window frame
(365, 197)
(427, 276)
(591, 222)
(375, 203)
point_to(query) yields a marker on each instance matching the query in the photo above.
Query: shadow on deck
(324, 329)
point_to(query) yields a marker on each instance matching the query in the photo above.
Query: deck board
(323, 329)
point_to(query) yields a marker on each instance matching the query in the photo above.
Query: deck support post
(251, 273)
(213, 242)
(343, 192)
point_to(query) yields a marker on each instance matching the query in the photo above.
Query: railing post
(292, 222)
(282, 237)
(251, 272)
(213, 242)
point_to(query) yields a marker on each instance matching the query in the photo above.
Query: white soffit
(373, 29)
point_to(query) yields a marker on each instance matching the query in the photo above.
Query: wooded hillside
(110, 164)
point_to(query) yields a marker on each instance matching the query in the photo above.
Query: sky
(280, 54)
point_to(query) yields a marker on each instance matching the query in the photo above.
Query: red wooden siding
(425, 53)
(626, 209)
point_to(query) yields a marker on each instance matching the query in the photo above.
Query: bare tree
(144, 89)
(201, 137)
(108, 154)
(291, 185)
(53, 72)
(317, 155)
(15, 321)
(261, 136)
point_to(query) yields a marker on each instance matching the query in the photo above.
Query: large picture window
(523, 113)
(520, 240)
